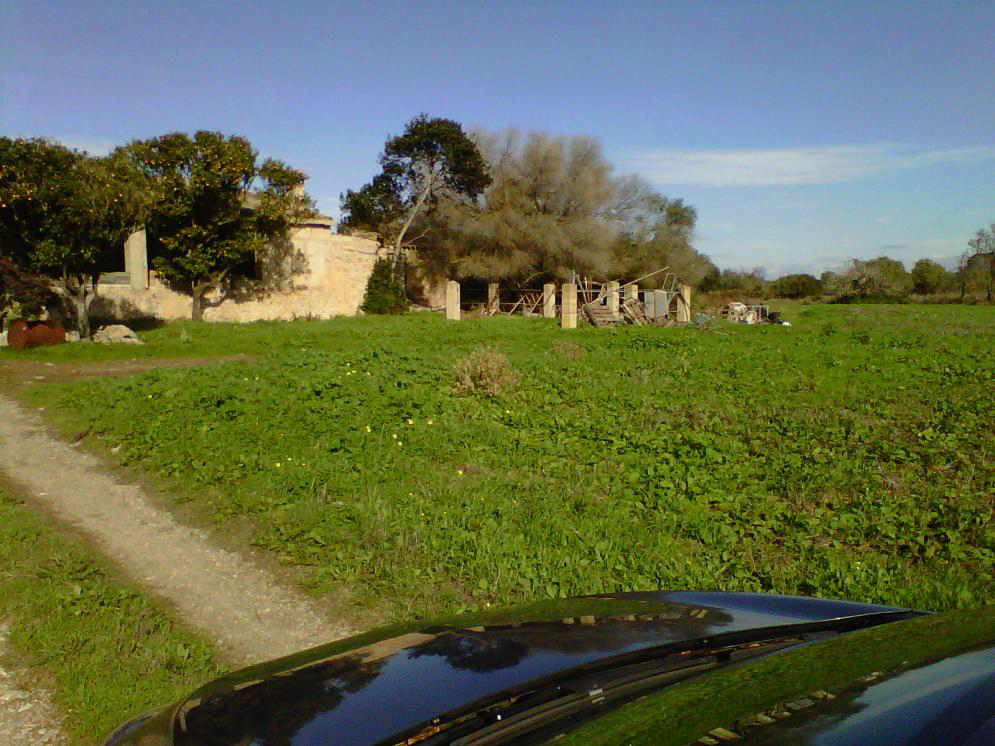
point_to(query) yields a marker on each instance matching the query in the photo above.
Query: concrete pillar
(661, 303)
(684, 303)
(136, 260)
(631, 292)
(613, 298)
(568, 306)
(493, 298)
(452, 300)
(549, 300)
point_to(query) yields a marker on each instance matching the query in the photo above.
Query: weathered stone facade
(315, 273)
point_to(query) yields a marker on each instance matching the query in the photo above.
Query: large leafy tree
(66, 215)
(433, 159)
(106, 201)
(555, 206)
(214, 205)
(34, 179)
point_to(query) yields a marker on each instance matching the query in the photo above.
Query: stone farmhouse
(314, 273)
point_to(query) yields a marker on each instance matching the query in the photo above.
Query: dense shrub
(870, 298)
(797, 286)
(21, 293)
(384, 294)
(486, 372)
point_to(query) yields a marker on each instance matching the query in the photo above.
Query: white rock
(72, 336)
(116, 333)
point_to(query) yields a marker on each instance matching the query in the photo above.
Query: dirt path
(27, 718)
(19, 372)
(240, 607)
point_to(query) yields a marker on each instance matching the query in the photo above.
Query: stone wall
(316, 273)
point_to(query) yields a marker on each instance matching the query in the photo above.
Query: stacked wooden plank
(601, 316)
(632, 311)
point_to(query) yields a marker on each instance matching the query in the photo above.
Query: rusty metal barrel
(25, 334)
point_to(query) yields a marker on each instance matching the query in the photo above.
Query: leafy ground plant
(857, 464)
(94, 637)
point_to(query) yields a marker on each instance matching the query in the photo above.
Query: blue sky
(803, 133)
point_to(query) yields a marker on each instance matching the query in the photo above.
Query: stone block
(493, 297)
(453, 300)
(549, 300)
(568, 306)
(136, 260)
(684, 303)
(613, 298)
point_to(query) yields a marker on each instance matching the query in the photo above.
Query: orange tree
(65, 215)
(214, 205)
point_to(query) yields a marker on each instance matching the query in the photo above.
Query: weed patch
(485, 372)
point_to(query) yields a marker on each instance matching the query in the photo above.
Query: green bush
(384, 294)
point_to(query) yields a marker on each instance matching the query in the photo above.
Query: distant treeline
(876, 280)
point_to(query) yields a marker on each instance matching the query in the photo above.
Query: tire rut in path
(240, 607)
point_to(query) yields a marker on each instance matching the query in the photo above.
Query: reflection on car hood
(929, 680)
(375, 686)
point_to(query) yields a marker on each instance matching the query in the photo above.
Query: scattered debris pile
(743, 313)
(610, 303)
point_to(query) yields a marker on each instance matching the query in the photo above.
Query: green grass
(848, 456)
(178, 339)
(110, 653)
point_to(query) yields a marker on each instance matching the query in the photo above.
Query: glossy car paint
(392, 682)
(925, 680)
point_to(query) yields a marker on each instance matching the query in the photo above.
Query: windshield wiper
(529, 713)
(578, 695)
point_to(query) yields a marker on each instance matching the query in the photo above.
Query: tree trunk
(407, 223)
(82, 313)
(76, 290)
(197, 291)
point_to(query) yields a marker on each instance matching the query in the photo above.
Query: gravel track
(241, 607)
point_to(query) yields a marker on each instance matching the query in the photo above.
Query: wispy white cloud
(787, 166)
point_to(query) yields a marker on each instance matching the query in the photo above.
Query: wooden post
(452, 300)
(568, 306)
(493, 298)
(684, 303)
(613, 298)
(549, 300)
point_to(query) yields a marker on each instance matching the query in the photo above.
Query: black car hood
(390, 682)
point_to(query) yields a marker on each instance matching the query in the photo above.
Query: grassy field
(850, 455)
(109, 653)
